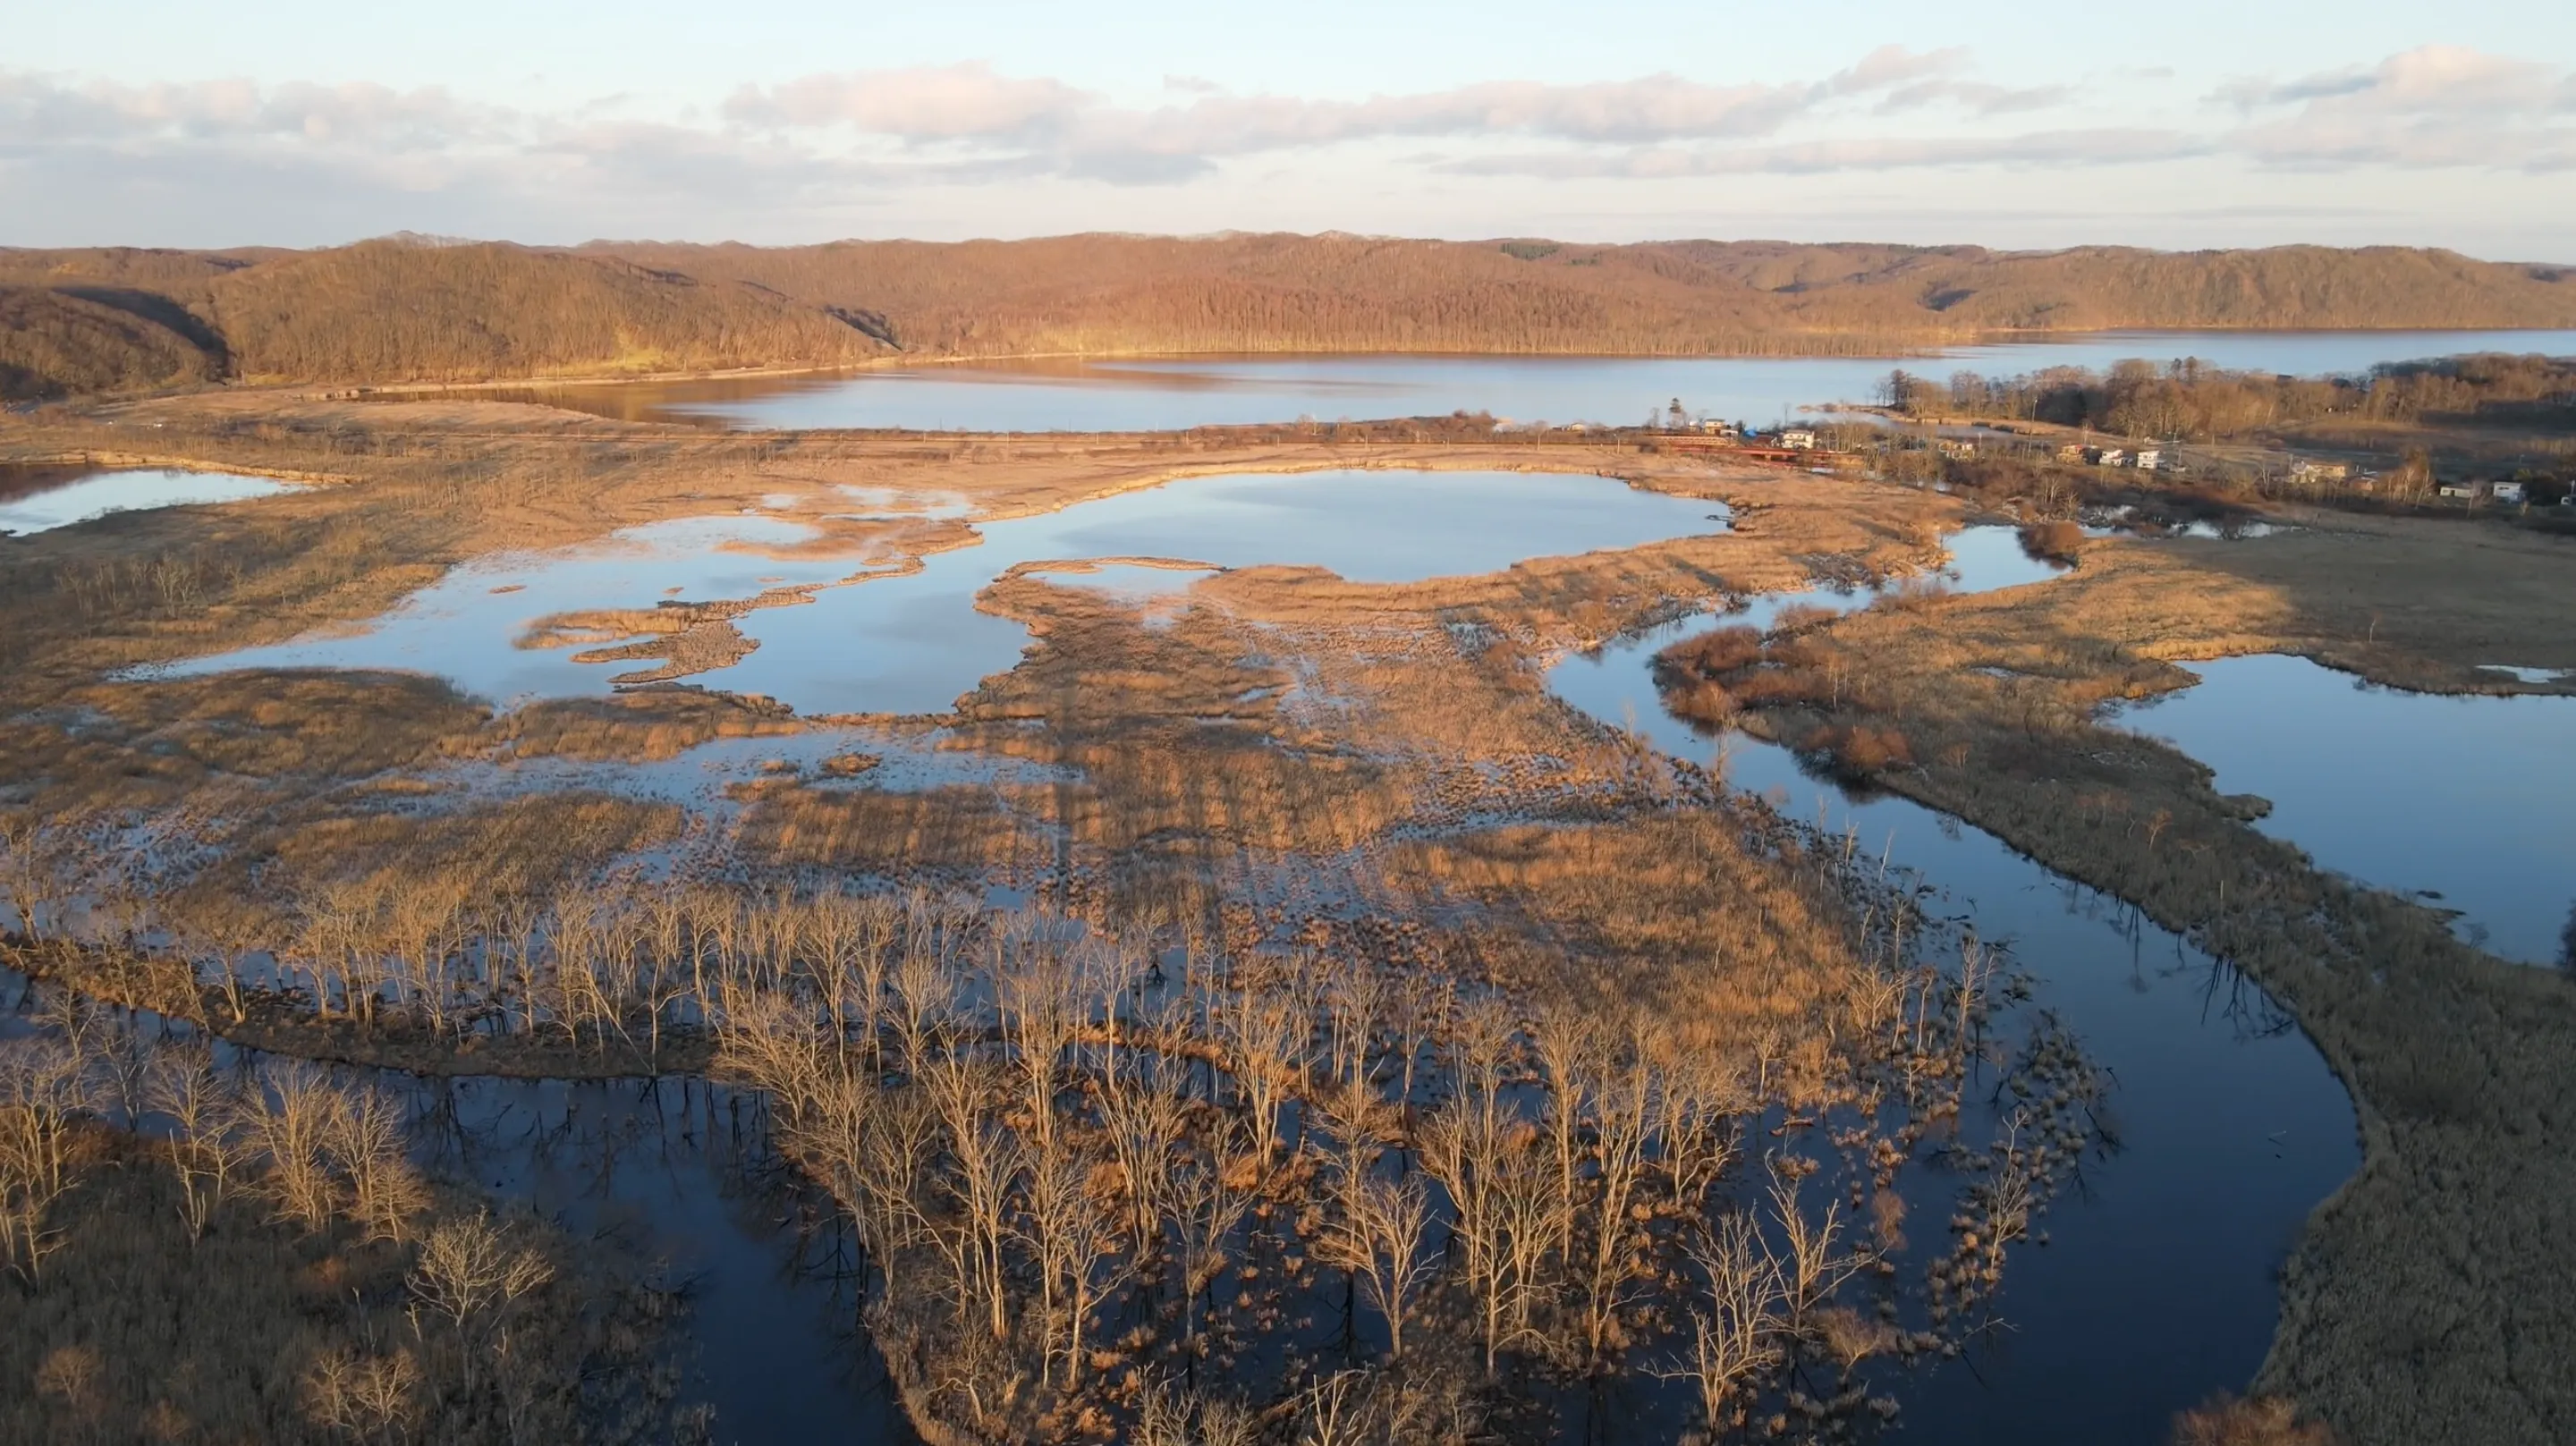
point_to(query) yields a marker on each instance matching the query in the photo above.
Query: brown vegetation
(394, 310)
(266, 1265)
(2227, 1421)
(1110, 294)
(2186, 399)
(2456, 1062)
(56, 343)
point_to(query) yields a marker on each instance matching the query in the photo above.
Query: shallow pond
(1160, 394)
(914, 642)
(2468, 801)
(2158, 1285)
(41, 499)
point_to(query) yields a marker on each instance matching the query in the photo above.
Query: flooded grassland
(1265, 765)
(1247, 773)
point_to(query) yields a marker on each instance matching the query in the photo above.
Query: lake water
(1165, 393)
(2469, 800)
(914, 643)
(41, 499)
(2158, 1285)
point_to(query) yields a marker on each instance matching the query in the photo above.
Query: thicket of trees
(1335, 292)
(392, 310)
(2190, 400)
(1177, 1187)
(55, 344)
(398, 309)
(195, 1244)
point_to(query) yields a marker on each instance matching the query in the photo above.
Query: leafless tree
(1734, 1338)
(41, 1098)
(205, 1144)
(1384, 1239)
(473, 1275)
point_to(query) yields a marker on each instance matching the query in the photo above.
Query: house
(1797, 439)
(2149, 459)
(2508, 494)
(1715, 428)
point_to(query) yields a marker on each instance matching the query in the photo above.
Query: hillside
(1325, 293)
(397, 310)
(55, 343)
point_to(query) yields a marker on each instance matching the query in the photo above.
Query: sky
(2182, 124)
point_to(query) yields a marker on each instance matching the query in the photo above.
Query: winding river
(2157, 1286)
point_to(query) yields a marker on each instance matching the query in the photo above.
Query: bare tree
(1203, 1208)
(364, 1134)
(1734, 1339)
(370, 1398)
(1075, 1246)
(291, 1123)
(473, 1274)
(205, 1145)
(41, 1097)
(1384, 1239)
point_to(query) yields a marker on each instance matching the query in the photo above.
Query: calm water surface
(39, 500)
(2469, 800)
(1160, 394)
(914, 643)
(2158, 1284)
(774, 1327)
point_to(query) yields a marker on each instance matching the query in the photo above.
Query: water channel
(2158, 1283)
(1153, 394)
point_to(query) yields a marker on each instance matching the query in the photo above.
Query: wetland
(1148, 937)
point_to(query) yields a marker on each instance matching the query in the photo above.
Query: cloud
(37, 109)
(942, 103)
(2434, 106)
(1975, 97)
(839, 144)
(1088, 134)
(2041, 148)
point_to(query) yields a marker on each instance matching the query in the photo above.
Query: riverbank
(2460, 1065)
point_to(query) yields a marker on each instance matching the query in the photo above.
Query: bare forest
(122, 319)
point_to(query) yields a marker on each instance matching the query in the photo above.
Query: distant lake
(1163, 394)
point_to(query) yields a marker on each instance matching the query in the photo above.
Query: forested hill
(123, 319)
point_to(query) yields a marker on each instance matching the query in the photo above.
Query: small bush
(2262, 1421)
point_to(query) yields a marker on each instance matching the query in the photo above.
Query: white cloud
(2434, 106)
(942, 103)
(1087, 133)
(363, 157)
(2039, 148)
